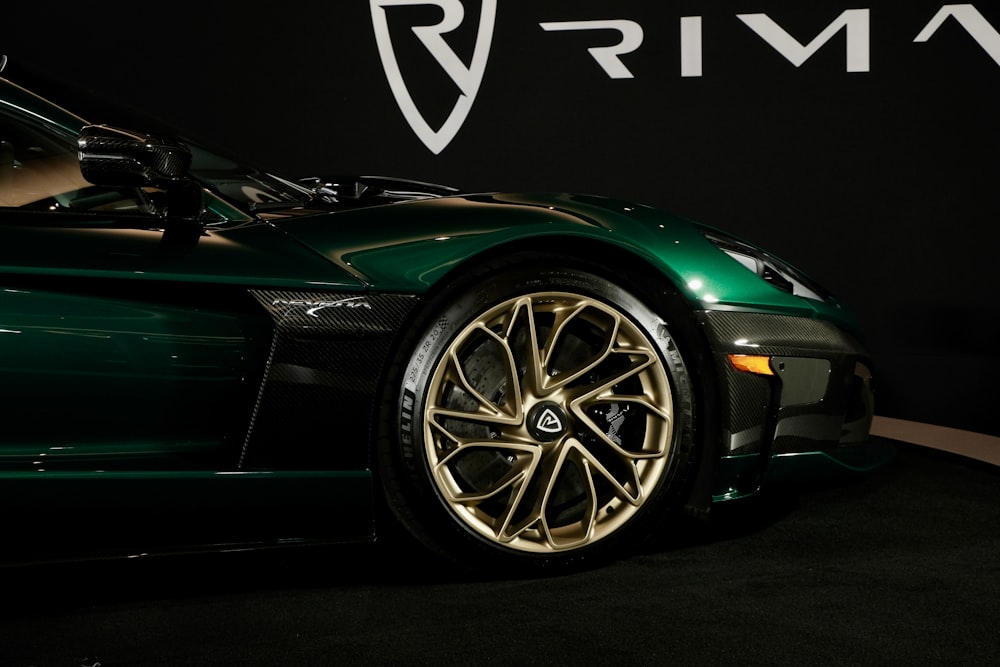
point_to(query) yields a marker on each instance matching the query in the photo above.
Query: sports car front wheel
(541, 416)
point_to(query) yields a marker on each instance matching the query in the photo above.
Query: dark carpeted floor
(899, 569)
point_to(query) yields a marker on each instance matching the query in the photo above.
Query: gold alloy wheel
(548, 422)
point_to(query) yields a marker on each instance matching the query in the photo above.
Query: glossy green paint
(737, 476)
(408, 247)
(200, 488)
(97, 376)
(844, 462)
(742, 476)
(85, 246)
(127, 347)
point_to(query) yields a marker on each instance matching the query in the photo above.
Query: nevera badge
(466, 77)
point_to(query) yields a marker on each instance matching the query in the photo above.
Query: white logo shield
(549, 422)
(467, 78)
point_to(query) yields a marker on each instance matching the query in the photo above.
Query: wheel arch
(634, 273)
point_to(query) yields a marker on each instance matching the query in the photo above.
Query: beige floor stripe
(965, 443)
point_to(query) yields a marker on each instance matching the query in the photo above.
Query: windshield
(233, 179)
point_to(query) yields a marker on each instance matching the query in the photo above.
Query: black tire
(510, 457)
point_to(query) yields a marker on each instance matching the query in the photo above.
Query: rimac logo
(466, 77)
(856, 25)
(548, 422)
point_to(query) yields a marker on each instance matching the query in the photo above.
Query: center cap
(547, 421)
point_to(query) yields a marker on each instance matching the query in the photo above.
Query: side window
(39, 169)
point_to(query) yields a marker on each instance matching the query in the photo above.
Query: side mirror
(112, 156)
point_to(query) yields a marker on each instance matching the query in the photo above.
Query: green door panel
(92, 379)
(126, 348)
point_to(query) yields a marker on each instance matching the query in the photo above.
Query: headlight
(768, 267)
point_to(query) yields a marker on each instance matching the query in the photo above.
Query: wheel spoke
(534, 372)
(630, 490)
(561, 329)
(486, 408)
(568, 536)
(508, 490)
(522, 469)
(651, 405)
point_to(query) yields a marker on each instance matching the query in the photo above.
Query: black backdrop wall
(859, 140)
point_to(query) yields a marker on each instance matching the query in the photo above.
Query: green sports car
(199, 354)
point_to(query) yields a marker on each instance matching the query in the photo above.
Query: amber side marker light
(751, 363)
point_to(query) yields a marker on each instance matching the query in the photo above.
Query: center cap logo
(466, 77)
(546, 421)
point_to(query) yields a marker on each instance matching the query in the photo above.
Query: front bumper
(811, 399)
